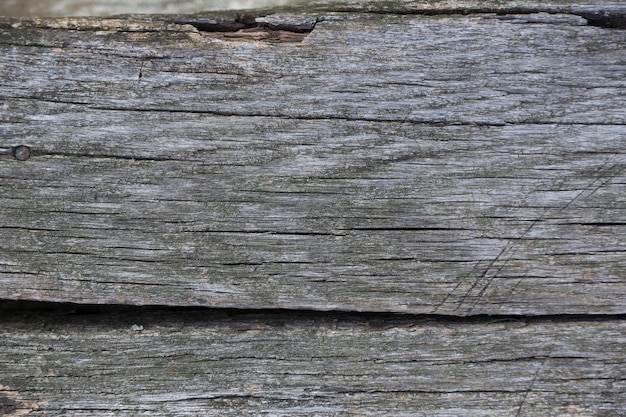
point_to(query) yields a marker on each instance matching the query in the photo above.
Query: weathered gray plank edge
(218, 363)
(602, 13)
(599, 13)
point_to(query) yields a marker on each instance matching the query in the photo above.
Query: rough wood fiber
(384, 163)
(192, 364)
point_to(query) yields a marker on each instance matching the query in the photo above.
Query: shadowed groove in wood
(101, 313)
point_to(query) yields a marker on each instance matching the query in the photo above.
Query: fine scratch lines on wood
(530, 387)
(510, 250)
(486, 281)
(486, 278)
(611, 169)
(605, 174)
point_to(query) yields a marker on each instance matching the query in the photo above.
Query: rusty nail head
(21, 153)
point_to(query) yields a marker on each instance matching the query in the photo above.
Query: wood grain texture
(179, 364)
(384, 163)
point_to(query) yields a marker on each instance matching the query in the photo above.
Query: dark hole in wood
(611, 20)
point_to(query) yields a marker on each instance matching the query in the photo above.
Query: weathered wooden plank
(207, 363)
(384, 163)
(382, 68)
(242, 226)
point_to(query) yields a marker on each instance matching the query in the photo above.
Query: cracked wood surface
(222, 364)
(454, 164)
(384, 161)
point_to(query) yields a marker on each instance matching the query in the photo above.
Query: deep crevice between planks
(596, 18)
(609, 20)
(371, 319)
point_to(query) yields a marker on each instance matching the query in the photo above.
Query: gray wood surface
(218, 364)
(361, 156)
(382, 162)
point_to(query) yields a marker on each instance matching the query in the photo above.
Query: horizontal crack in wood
(372, 319)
